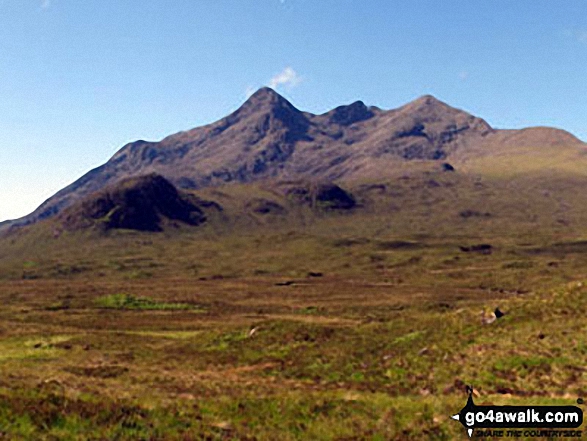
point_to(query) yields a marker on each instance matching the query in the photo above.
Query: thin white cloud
(45, 4)
(463, 75)
(288, 77)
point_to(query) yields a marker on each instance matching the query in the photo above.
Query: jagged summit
(428, 100)
(351, 114)
(428, 106)
(266, 93)
(265, 99)
(268, 138)
(265, 107)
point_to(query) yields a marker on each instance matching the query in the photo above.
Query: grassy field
(311, 326)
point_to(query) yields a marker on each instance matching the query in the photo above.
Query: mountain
(268, 138)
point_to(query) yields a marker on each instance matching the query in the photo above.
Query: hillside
(330, 312)
(268, 139)
(142, 203)
(306, 308)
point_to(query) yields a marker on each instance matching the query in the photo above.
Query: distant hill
(268, 139)
(143, 203)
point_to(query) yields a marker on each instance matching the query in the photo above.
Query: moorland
(301, 307)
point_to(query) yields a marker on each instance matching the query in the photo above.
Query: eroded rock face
(351, 114)
(331, 196)
(135, 204)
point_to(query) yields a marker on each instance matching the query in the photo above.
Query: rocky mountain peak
(269, 138)
(266, 100)
(351, 114)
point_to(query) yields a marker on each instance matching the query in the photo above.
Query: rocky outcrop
(141, 204)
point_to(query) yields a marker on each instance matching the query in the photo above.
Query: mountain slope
(268, 138)
(141, 203)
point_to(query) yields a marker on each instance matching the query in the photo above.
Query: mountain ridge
(268, 138)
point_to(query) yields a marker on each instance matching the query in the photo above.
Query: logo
(492, 420)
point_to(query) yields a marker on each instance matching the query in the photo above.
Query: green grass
(127, 301)
(379, 347)
(396, 375)
(29, 349)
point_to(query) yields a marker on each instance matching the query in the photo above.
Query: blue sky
(79, 79)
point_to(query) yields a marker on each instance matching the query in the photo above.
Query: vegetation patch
(310, 310)
(518, 265)
(40, 348)
(127, 301)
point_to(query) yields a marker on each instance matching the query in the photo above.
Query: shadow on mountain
(325, 196)
(142, 203)
(265, 207)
